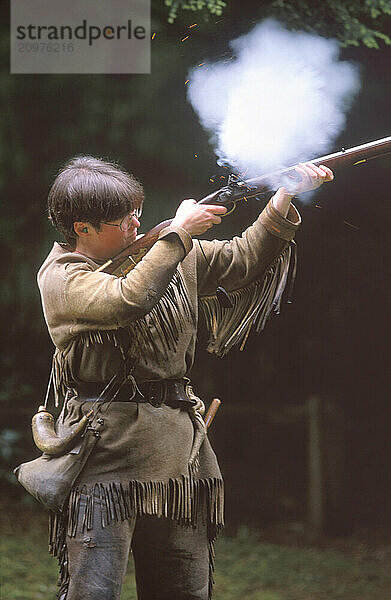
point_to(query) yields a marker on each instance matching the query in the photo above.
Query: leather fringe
(163, 323)
(178, 499)
(58, 548)
(167, 319)
(212, 555)
(183, 500)
(252, 306)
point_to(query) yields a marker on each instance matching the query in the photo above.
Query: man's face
(109, 239)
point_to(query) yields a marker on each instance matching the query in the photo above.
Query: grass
(253, 570)
(247, 567)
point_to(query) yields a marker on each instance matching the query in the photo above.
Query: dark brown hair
(92, 190)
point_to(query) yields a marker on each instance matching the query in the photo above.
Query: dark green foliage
(352, 23)
(214, 7)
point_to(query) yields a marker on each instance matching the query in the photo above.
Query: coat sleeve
(253, 269)
(95, 300)
(236, 263)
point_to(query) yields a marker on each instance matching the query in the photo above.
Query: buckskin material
(144, 325)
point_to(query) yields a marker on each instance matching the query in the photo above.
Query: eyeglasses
(126, 222)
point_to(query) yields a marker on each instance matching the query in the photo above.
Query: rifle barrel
(357, 154)
(125, 260)
(271, 181)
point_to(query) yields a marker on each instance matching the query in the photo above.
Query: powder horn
(46, 437)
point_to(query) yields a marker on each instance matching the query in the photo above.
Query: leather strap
(164, 391)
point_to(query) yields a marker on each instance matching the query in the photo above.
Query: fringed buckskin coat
(144, 325)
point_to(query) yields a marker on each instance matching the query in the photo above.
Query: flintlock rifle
(237, 190)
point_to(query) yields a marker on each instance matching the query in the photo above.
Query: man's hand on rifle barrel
(312, 177)
(197, 218)
(307, 177)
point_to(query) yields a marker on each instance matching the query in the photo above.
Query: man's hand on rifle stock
(197, 218)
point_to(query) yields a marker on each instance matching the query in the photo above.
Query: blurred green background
(303, 435)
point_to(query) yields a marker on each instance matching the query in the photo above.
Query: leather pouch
(50, 478)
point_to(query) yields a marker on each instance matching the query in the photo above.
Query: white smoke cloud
(282, 98)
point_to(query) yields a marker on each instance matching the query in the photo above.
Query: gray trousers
(171, 561)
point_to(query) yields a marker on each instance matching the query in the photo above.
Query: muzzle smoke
(282, 99)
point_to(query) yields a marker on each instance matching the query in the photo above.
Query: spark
(194, 25)
(210, 179)
(153, 35)
(351, 225)
(187, 81)
(185, 38)
(318, 206)
(200, 65)
(195, 155)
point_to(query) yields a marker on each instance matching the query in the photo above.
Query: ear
(81, 228)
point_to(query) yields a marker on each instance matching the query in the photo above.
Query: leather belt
(164, 391)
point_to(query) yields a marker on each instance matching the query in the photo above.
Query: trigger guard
(230, 211)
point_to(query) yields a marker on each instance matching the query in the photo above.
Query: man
(129, 342)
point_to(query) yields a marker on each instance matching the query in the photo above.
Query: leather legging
(171, 561)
